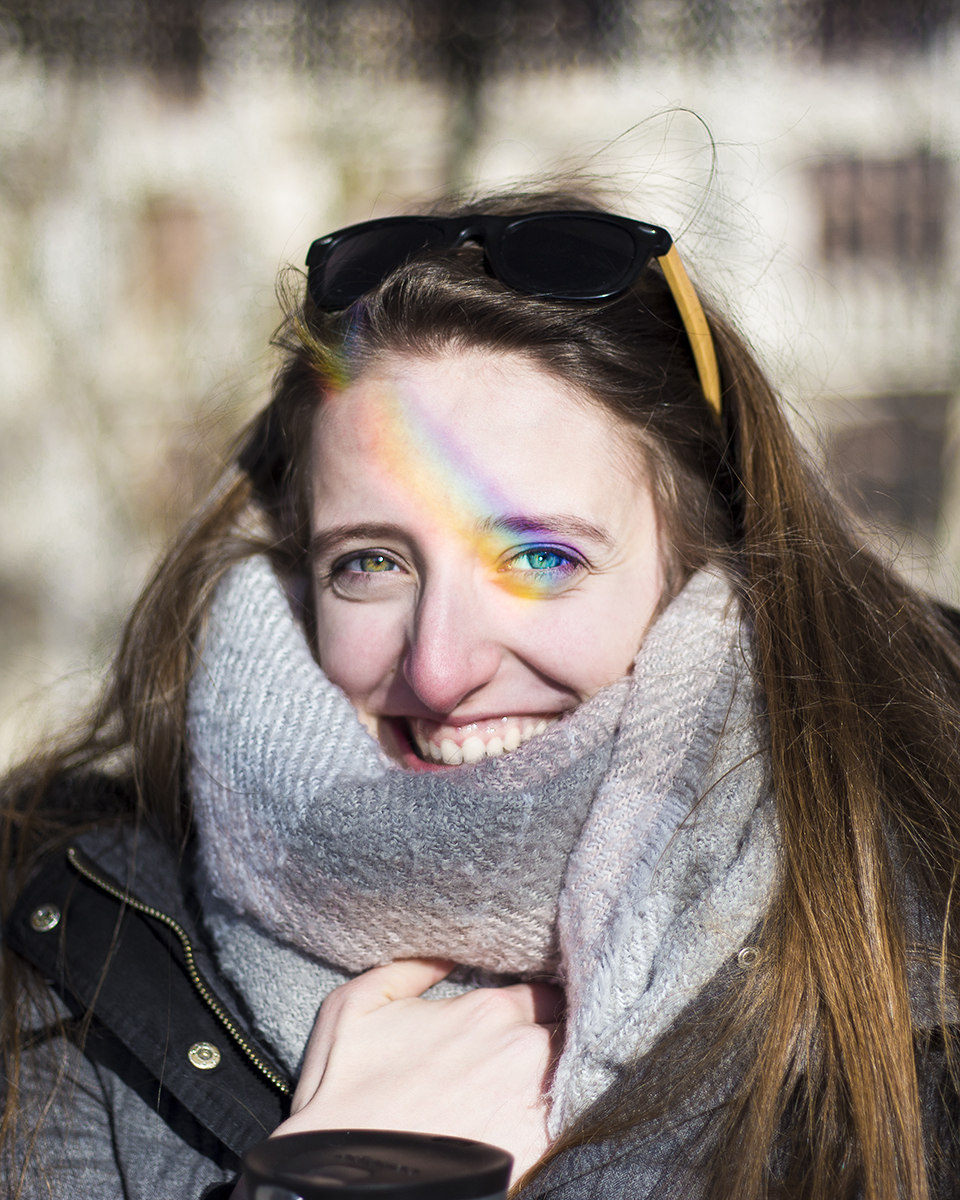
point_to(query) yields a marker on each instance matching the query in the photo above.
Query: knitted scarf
(628, 850)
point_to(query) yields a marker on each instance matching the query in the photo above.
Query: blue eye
(540, 571)
(542, 559)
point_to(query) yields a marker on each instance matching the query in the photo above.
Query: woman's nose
(451, 652)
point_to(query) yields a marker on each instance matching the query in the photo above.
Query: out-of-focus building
(161, 161)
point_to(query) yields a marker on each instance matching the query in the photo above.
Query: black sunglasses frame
(445, 233)
(649, 241)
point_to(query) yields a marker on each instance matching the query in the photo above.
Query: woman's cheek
(591, 641)
(360, 645)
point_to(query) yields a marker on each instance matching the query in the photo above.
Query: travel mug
(352, 1164)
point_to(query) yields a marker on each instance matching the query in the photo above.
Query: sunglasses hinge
(471, 233)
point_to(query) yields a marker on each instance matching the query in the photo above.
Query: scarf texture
(629, 850)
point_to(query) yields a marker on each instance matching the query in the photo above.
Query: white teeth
(451, 753)
(473, 750)
(491, 739)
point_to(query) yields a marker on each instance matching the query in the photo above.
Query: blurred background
(161, 160)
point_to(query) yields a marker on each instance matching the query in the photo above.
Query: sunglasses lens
(572, 258)
(361, 261)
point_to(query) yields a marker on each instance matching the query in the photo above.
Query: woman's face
(486, 551)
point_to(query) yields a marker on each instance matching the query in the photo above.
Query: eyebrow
(327, 539)
(551, 525)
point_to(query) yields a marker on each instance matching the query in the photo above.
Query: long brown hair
(860, 680)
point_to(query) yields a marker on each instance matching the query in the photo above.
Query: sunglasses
(554, 255)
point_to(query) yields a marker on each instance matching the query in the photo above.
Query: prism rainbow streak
(430, 463)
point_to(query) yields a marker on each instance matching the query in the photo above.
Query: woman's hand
(475, 1066)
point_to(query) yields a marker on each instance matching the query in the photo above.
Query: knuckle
(492, 1004)
(347, 1000)
(530, 1036)
(529, 1044)
(352, 1002)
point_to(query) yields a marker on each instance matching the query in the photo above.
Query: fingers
(487, 1034)
(401, 980)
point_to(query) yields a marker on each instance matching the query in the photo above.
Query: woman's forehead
(477, 429)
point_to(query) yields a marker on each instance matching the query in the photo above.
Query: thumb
(400, 980)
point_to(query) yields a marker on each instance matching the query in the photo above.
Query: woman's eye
(541, 560)
(369, 563)
(540, 570)
(364, 574)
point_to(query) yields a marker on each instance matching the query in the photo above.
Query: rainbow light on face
(427, 461)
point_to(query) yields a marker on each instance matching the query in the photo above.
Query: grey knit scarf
(630, 848)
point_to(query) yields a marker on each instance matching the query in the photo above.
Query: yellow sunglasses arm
(695, 323)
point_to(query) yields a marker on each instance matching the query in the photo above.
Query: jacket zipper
(203, 991)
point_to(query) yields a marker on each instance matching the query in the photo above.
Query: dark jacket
(171, 1086)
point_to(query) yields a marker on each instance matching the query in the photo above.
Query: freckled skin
(430, 619)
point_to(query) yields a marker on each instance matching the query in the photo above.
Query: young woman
(519, 660)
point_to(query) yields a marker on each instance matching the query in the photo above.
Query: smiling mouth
(453, 745)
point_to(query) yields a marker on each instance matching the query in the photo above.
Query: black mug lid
(337, 1164)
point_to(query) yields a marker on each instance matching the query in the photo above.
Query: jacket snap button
(748, 957)
(45, 918)
(204, 1055)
